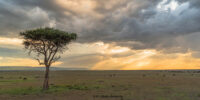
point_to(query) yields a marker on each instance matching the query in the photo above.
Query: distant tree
(47, 44)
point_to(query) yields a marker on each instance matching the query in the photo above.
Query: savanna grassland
(101, 85)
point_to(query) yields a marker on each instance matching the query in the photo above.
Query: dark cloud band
(123, 23)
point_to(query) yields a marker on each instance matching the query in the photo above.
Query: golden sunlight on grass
(165, 61)
(124, 57)
(147, 60)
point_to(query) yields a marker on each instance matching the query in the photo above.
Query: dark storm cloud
(16, 18)
(193, 3)
(124, 23)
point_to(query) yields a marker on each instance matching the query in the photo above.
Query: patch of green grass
(52, 89)
(21, 91)
(11, 81)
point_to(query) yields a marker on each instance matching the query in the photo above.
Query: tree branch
(39, 61)
(55, 52)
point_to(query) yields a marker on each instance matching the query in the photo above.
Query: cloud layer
(167, 26)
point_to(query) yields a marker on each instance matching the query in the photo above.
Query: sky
(112, 34)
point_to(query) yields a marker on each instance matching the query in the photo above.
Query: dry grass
(84, 85)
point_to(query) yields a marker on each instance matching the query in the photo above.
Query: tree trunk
(46, 79)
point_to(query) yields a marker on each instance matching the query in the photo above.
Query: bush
(24, 78)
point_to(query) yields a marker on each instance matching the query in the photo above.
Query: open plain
(101, 85)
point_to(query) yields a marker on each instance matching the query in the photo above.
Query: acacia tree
(46, 44)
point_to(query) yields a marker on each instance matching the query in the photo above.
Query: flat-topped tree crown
(55, 36)
(47, 42)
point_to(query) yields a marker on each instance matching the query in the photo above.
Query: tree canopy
(47, 42)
